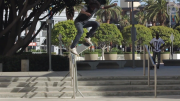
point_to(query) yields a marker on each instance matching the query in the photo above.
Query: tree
(105, 34)
(13, 21)
(165, 33)
(158, 11)
(71, 10)
(107, 14)
(68, 32)
(177, 36)
(143, 36)
(141, 18)
(147, 4)
(125, 21)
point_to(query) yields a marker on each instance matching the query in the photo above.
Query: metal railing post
(148, 72)
(144, 63)
(155, 72)
(155, 81)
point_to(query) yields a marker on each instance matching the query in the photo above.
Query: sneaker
(88, 40)
(74, 51)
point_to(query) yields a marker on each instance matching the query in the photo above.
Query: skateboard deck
(82, 47)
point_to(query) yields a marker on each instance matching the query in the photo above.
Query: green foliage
(143, 34)
(116, 50)
(165, 33)
(129, 52)
(37, 62)
(110, 52)
(107, 33)
(113, 12)
(68, 32)
(91, 53)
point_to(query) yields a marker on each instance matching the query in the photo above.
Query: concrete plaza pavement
(128, 71)
(159, 98)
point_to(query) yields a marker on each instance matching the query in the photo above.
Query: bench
(174, 62)
(111, 64)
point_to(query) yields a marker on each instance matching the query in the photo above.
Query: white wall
(128, 4)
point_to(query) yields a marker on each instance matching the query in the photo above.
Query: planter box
(91, 56)
(1, 67)
(129, 56)
(176, 56)
(110, 56)
(164, 57)
(25, 65)
(141, 56)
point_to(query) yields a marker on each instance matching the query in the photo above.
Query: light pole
(133, 31)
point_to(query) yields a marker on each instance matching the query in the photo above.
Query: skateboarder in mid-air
(82, 22)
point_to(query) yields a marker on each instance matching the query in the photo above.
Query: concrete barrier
(1, 67)
(24, 65)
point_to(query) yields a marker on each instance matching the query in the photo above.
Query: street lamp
(133, 30)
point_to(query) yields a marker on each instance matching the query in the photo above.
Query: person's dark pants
(158, 54)
(80, 26)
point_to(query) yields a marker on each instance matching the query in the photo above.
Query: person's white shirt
(157, 44)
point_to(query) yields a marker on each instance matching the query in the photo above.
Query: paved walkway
(163, 71)
(161, 98)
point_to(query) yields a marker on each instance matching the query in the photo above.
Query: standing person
(156, 45)
(82, 22)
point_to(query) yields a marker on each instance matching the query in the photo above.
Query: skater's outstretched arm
(106, 7)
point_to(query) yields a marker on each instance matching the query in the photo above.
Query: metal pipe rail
(155, 69)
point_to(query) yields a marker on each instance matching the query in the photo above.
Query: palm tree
(125, 21)
(141, 18)
(158, 11)
(107, 14)
(71, 10)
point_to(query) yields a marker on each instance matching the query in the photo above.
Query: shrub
(37, 62)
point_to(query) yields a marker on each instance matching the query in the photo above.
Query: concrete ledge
(174, 62)
(107, 64)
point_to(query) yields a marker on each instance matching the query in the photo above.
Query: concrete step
(88, 94)
(89, 88)
(33, 79)
(88, 83)
(81, 78)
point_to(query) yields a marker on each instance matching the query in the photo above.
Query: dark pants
(80, 26)
(158, 54)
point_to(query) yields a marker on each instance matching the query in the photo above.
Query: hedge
(37, 62)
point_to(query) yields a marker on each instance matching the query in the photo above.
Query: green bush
(129, 52)
(91, 53)
(117, 50)
(165, 52)
(110, 52)
(146, 52)
(37, 62)
(165, 33)
(107, 33)
(143, 34)
(68, 32)
(120, 52)
(177, 52)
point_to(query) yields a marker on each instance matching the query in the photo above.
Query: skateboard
(81, 48)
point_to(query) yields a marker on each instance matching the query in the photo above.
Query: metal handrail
(155, 69)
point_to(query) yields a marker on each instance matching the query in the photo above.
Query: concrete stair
(59, 87)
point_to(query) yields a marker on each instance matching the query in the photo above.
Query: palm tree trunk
(108, 21)
(153, 23)
(70, 15)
